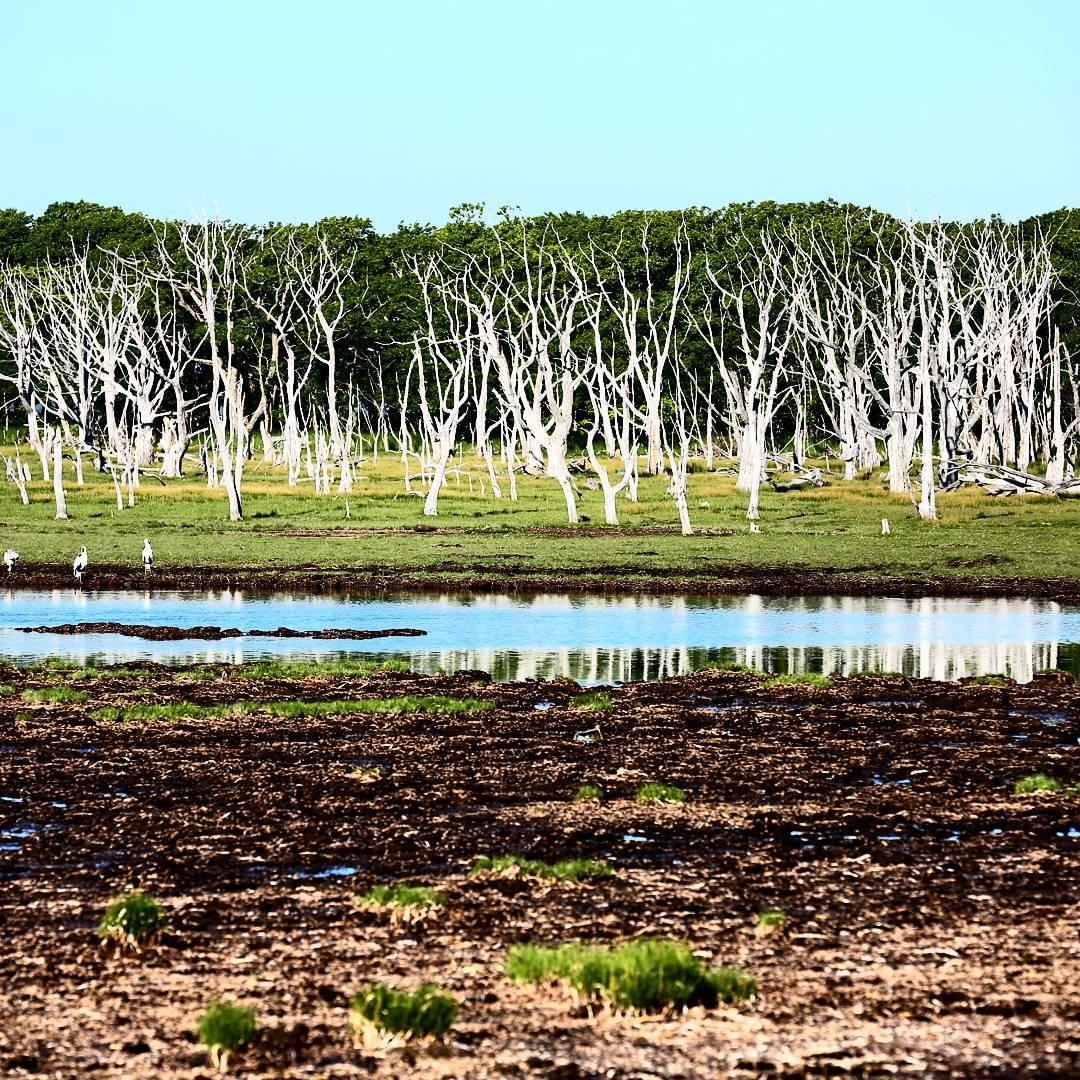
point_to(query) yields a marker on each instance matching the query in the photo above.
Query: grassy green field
(836, 527)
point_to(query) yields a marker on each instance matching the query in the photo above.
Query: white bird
(147, 556)
(11, 557)
(885, 530)
(79, 565)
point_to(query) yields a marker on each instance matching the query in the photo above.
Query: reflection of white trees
(555, 635)
(924, 660)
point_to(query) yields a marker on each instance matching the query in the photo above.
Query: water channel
(592, 639)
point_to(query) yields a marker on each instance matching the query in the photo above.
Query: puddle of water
(330, 872)
(591, 639)
(12, 799)
(633, 838)
(1072, 833)
(22, 831)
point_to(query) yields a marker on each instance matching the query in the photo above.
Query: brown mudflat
(516, 574)
(932, 920)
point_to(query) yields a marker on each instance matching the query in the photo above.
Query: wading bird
(147, 556)
(11, 557)
(79, 565)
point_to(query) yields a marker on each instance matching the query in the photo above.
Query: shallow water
(593, 639)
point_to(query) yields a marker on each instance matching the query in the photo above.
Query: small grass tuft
(366, 774)
(770, 921)
(986, 680)
(646, 975)
(382, 1017)
(1038, 782)
(659, 793)
(133, 921)
(54, 695)
(588, 793)
(513, 866)
(810, 679)
(592, 701)
(224, 1029)
(403, 903)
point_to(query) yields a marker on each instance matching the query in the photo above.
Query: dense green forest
(26, 240)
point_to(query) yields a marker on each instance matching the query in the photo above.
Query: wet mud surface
(214, 633)
(933, 920)
(975, 578)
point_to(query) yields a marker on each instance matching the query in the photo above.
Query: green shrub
(382, 1017)
(588, 793)
(54, 695)
(986, 680)
(224, 1029)
(593, 701)
(132, 921)
(1030, 785)
(659, 793)
(647, 975)
(519, 866)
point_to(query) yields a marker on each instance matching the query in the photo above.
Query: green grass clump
(408, 902)
(588, 793)
(986, 680)
(336, 668)
(519, 866)
(383, 1017)
(592, 701)
(647, 975)
(393, 706)
(133, 921)
(770, 920)
(54, 695)
(224, 1029)
(177, 710)
(1037, 782)
(811, 679)
(659, 793)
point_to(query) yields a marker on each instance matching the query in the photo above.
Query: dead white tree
(444, 355)
(203, 268)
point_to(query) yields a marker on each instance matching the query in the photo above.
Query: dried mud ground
(932, 914)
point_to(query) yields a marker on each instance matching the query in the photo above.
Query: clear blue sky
(398, 109)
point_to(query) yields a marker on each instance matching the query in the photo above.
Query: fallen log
(1000, 480)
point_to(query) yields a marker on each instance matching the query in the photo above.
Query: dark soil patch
(931, 916)
(510, 574)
